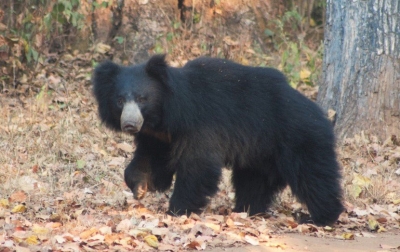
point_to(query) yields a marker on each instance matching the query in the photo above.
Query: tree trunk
(361, 67)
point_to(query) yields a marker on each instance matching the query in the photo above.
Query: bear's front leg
(138, 177)
(196, 181)
(149, 169)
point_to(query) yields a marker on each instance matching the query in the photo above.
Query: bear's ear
(157, 68)
(104, 80)
(104, 74)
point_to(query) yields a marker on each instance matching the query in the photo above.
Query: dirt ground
(300, 243)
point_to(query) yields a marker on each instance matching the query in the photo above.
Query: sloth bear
(213, 113)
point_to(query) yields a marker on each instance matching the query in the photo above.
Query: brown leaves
(370, 169)
(98, 217)
(87, 233)
(18, 196)
(126, 147)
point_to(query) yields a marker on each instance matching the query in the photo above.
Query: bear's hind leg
(255, 189)
(316, 182)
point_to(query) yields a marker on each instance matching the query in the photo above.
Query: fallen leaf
(97, 237)
(213, 226)
(105, 230)
(137, 233)
(35, 168)
(124, 225)
(381, 229)
(397, 201)
(19, 209)
(151, 240)
(347, 236)
(373, 225)
(53, 225)
(87, 191)
(111, 238)
(55, 217)
(87, 233)
(116, 161)
(355, 191)
(276, 245)
(361, 180)
(329, 229)
(80, 164)
(198, 245)
(229, 41)
(32, 240)
(304, 74)
(292, 224)
(127, 241)
(102, 48)
(252, 240)
(360, 212)
(4, 203)
(125, 147)
(19, 196)
(306, 228)
(382, 220)
(40, 230)
(159, 231)
(59, 239)
(230, 222)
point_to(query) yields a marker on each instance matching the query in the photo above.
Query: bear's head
(131, 98)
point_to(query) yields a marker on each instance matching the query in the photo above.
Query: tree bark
(361, 67)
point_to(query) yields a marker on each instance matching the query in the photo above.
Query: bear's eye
(120, 101)
(141, 99)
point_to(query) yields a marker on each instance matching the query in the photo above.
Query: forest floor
(301, 243)
(62, 185)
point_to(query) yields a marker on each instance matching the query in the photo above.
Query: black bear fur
(214, 113)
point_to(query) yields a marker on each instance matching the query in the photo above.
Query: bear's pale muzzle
(131, 118)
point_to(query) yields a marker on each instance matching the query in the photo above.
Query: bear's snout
(130, 127)
(131, 118)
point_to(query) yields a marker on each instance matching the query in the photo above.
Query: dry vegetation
(61, 171)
